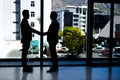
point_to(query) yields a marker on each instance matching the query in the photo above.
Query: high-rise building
(75, 16)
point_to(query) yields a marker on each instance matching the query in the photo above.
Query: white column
(47, 11)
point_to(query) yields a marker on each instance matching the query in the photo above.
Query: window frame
(32, 3)
(90, 30)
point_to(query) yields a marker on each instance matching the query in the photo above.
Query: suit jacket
(52, 34)
(26, 31)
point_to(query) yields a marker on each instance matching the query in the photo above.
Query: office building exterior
(78, 18)
(75, 16)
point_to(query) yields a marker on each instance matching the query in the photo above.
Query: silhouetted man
(52, 38)
(26, 32)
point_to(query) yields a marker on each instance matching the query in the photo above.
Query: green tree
(73, 39)
(60, 34)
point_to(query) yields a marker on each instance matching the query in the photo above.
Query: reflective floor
(64, 73)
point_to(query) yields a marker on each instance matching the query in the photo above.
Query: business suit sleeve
(35, 31)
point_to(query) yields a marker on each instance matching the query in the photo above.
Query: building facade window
(84, 11)
(32, 3)
(32, 14)
(76, 20)
(76, 15)
(32, 24)
(75, 24)
(33, 35)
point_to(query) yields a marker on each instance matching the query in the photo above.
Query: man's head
(25, 14)
(53, 15)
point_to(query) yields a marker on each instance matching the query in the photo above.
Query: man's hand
(39, 33)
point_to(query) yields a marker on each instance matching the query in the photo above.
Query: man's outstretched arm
(35, 31)
(38, 32)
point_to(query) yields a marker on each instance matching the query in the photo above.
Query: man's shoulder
(24, 21)
(56, 22)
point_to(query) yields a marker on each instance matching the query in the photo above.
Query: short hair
(53, 13)
(24, 12)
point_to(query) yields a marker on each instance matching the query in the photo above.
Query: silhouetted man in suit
(52, 38)
(26, 33)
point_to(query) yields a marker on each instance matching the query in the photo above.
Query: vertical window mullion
(89, 32)
(111, 32)
(41, 37)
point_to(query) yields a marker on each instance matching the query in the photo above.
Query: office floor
(64, 73)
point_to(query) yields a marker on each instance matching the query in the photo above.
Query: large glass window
(10, 31)
(102, 31)
(101, 24)
(72, 37)
(73, 34)
(116, 32)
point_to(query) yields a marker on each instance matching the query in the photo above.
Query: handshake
(38, 32)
